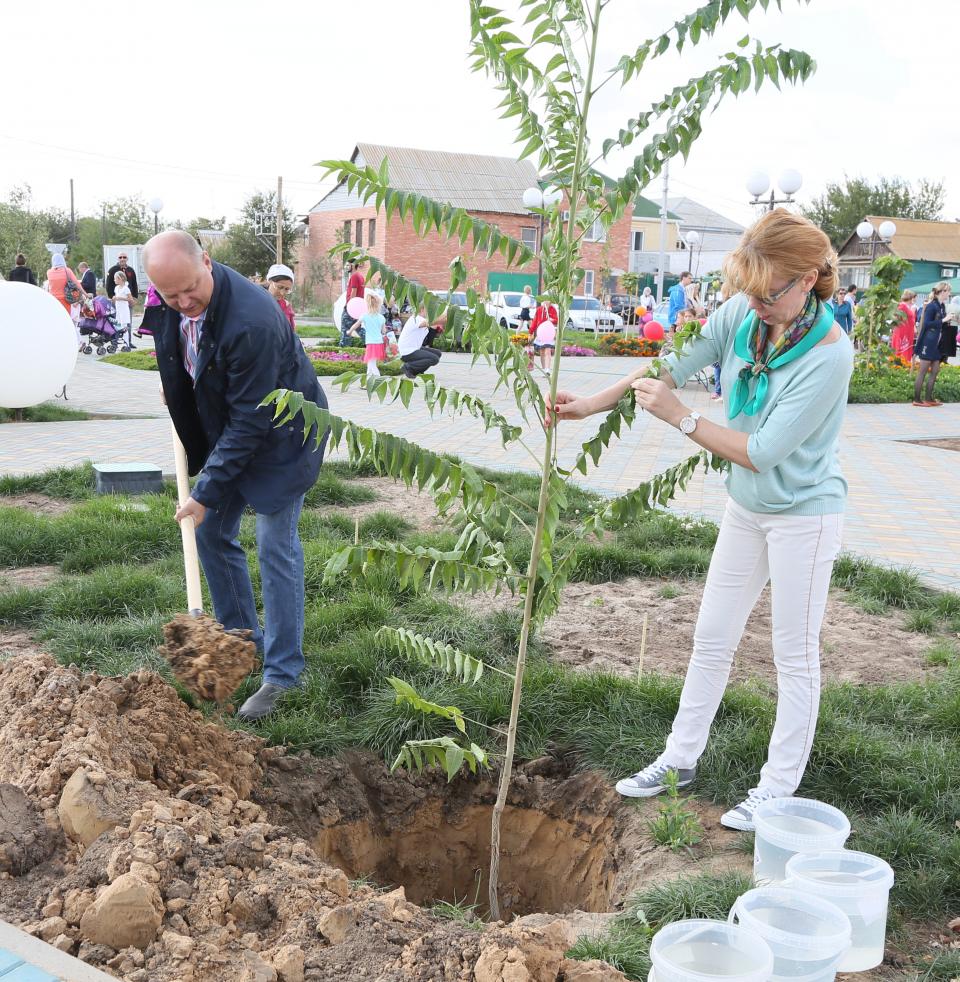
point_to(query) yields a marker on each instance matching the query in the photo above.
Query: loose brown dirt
(161, 846)
(599, 626)
(28, 576)
(418, 506)
(210, 661)
(39, 504)
(145, 840)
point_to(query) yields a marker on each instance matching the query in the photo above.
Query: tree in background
(23, 230)
(243, 250)
(842, 207)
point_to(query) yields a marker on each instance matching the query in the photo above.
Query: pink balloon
(654, 331)
(357, 307)
(647, 317)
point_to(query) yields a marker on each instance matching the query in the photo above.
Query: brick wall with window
(428, 260)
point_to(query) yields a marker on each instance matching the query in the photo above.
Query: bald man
(223, 344)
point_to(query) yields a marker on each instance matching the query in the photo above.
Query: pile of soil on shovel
(161, 846)
(209, 661)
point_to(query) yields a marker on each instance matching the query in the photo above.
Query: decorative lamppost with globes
(867, 233)
(789, 182)
(538, 199)
(156, 206)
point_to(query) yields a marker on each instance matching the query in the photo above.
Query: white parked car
(588, 314)
(505, 307)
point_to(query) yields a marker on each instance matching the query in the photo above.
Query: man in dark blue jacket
(223, 344)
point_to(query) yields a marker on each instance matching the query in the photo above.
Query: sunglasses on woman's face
(770, 301)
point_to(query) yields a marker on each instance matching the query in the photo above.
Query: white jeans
(795, 553)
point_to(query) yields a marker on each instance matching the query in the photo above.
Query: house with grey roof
(718, 236)
(486, 186)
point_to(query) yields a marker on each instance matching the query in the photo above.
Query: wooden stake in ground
(643, 644)
(211, 662)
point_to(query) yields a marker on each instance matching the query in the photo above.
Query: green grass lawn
(888, 755)
(45, 412)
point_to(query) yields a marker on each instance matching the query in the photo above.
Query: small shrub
(669, 592)
(943, 653)
(676, 826)
(893, 383)
(710, 896)
(921, 621)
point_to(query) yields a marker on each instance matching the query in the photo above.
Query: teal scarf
(750, 344)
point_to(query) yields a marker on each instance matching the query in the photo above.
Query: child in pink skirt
(374, 327)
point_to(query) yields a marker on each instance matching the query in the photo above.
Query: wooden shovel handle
(188, 534)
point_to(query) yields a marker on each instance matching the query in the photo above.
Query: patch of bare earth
(39, 504)
(599, 626)
(418, 507)
(28, 576)
(13, 641)
(949, 443)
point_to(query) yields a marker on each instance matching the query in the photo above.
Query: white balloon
(38, 342)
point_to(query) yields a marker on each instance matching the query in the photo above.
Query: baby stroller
(98, 324)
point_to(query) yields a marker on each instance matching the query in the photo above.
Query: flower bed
(576, 351)
(621, 347)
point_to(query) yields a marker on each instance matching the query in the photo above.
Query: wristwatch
(689, 423)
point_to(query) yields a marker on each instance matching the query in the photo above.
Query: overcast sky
(200, 102)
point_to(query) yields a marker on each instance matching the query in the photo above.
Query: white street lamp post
(156, 206)
(537, 199)
(692, 238)
(867, 233)
(758, 183)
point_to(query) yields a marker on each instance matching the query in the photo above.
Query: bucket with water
(859, 884)
(786, 826)
(807, 935)
(709, 951)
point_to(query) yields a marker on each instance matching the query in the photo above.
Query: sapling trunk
(562, 288)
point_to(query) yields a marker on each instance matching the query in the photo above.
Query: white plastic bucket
(786, 826)
(859, 884)
(808, 936)
(709, 951)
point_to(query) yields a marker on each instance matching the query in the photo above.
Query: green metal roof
(645, 208)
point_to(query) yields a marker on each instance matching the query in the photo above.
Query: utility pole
(280, 219)
(73, 219)
(663, 231)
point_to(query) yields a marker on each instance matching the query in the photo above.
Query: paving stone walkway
(901, 508)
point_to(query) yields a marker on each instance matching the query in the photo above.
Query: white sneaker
(741, 817)
(650, 781)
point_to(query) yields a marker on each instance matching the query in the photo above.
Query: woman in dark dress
(928, 344)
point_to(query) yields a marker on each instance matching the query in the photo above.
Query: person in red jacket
(544, 328)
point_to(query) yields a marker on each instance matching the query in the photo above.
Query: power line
(155, 165)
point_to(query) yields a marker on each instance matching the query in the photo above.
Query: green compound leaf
(408, 695)
(444, 752)
(436, 654)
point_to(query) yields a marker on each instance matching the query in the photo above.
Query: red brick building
(491, 188)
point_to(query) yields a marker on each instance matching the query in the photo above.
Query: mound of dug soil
(141, 838)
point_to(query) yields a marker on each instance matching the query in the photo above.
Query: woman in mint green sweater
(785, 367)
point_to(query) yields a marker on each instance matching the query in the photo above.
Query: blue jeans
(281, 575)
(716, 379)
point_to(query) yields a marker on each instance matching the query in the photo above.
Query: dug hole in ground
(147, 840)
(160, 846)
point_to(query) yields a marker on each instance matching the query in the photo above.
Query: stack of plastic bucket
(808, 936)
(709, 951)
(787, 826)
(859, 884)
